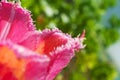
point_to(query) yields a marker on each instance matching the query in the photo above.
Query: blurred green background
(73, 16)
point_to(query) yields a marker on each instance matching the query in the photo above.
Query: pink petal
(33, 69)
(58, 46)
(42, 42)
(48, 40)
(14, 21)
(31, 40)
(52, 49)
(62, 55)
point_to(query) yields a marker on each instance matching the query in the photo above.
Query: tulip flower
(29, 54)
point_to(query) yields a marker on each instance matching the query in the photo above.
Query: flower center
(15, 65)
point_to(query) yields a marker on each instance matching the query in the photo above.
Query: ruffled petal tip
(60, 48)
(13, 16)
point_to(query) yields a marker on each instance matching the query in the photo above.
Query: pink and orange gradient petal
(58, 46)
(12, 66)
(46, 41)
(16, 64)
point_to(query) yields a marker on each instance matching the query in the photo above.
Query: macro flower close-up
(30, 54)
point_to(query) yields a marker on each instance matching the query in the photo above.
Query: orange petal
(8, 59)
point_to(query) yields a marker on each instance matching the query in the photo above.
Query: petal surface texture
(58, 46)
(14, 21)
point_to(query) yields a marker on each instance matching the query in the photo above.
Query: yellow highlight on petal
(40, 48)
